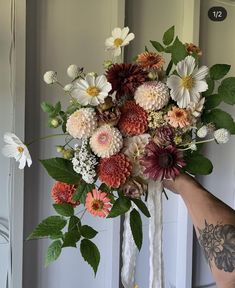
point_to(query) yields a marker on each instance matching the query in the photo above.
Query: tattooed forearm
(218, 243)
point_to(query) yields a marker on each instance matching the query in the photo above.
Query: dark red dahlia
(162, 162)
(125, 78)
(164, 135)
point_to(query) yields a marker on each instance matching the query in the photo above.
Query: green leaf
(88, 232)
(57, 235)
(82, 190)
(104, 188)
(53, 252)
(71, 238)
(169, 36)
(61, 170)
(46, 107)
(136, 228)
(64, 209)
(90, 253)
(211, 86)
(221, 119)
(212, 101)
(179, 51)
(74, 223)
(157, 46)
(169, 67)
(120, 207)
(227, 90)
(218, 71)
(141, 205)
(50, 226)
(57, 107)
(198, 164)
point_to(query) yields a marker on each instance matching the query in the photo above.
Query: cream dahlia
(119, 38)
(115, 170)
(152, 95)
(187, 87)
(178, 117)
(98, 203)
(82, 123)
(134, 148)
(133, 119)
(106, 141)
(92, 90)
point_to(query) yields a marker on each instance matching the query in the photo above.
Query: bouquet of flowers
(139, 121)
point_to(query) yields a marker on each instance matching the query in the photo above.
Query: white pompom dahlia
(152, 95)
(106, 141)
(82, 123)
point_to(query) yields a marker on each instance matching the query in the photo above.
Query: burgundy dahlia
(164, 135)
(162, 162)
(125, 78)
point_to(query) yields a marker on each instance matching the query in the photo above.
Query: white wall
(61, 33)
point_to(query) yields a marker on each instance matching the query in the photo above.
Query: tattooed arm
(214, 223)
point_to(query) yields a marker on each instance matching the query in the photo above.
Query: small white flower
(14, 148)
(73, 71)
(196, 108)
(50, 77)
(120, 38)
(68, 87)
(222, 136)
(202, 132)
(91, 90)
(187, 87)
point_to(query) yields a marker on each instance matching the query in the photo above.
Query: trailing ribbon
(129, 249)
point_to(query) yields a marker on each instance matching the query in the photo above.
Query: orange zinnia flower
(178, 117)
(150, 60)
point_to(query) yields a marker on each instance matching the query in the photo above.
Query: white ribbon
(129, 249)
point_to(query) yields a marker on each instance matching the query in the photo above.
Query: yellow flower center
(20, 149)
(93, 91)
(187, 82)
(118, 42)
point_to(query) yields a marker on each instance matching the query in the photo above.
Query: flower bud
(202, 132)
(50, 77)
(68, 154)
(107, 64)
(55, 122)
(73, 71)
(68, 87)
(59, 149)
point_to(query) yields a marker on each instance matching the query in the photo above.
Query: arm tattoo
(218, 243)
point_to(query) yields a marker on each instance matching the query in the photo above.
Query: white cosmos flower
(91, 90)
(186, 87)
(120, 38)
(16, 149)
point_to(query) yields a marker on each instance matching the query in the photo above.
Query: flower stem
(197, 142)
(45, 137)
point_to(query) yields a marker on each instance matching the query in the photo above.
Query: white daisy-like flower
(222, 136)
(91, 90)
(15, 148)
(187, 87)
(196, 108)
(119, 38)
(50, 77)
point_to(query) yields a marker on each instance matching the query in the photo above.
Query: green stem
(44, 137)
(197, 142)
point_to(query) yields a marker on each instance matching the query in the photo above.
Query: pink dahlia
(98, 203)
(162, 162)
(115, 170)
(63, 193)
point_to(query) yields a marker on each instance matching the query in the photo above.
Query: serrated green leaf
(50, 226)
(179, 51)
(82, 190)
(120, 207)
(136, 228)
(218, 71)
(46, 107)
(74, 223)
(212, 101)
(198, 164)
(168, 36)
(90, 253)
(53, 252)
(211, 86)
(88, 232)
(227, 90)
(220, 118)
(71, 238)
(141, 205)
(61, 170)
(64, 209)
(158, 46)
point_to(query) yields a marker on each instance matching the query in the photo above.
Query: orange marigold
(63, 193)
(133, 119)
